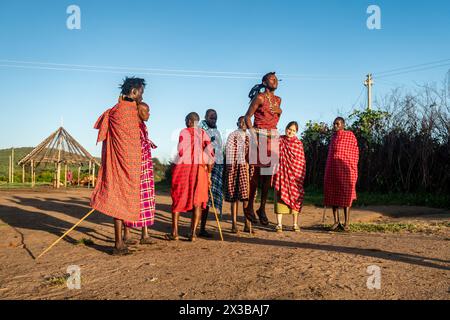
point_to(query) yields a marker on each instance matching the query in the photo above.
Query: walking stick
(66, 233)
(215, 213)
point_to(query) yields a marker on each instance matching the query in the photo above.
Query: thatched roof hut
(59, 148)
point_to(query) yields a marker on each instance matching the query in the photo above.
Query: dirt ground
(312, 264)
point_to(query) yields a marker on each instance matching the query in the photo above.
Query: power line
(160, 71)
(413, 66)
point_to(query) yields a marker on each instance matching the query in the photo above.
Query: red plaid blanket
(236, 171)
(290, 174)
(117, 192)
(341, 171)
(148, 203)
(189, 173)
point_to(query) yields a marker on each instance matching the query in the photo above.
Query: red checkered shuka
(341, 171)
(237, 169)
(290, 172)
(190, 173)
(117, 192)
(148, 203)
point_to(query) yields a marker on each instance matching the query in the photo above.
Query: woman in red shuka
(289, 177)
(341, 173)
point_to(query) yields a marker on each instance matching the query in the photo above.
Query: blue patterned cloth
(217, 172)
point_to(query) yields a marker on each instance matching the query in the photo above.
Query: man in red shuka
(341, 173)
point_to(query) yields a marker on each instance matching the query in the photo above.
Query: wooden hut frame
(59, 148)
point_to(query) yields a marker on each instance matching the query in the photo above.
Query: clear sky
(322, 49)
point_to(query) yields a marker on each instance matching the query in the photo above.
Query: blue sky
(327, 43)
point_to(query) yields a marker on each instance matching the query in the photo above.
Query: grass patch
(85, 242)
(397, 227)
(16, 185)
(57, 281)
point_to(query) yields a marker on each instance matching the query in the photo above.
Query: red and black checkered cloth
(189, 173)
(341, 171)
(290, 172)
(237, 169)
(147, 217)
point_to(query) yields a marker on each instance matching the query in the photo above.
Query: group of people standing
(205, 172)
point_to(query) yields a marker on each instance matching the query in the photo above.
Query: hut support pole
(65, 175)
(23, 174)
(79, 174)
(12, 165)
(89, 175)
(9, 170)
(32, 173)
(93, 175)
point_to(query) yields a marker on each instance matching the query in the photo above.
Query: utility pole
(369, 83)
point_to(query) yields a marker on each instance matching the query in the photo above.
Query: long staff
(215, 213)
(66, 233)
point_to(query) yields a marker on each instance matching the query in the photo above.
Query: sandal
(335, 226)
(121, 252)
(171, 237)
(279, 228)
(234, 230)
(146, 240)
(346, 228)
(130, 242)
(262, 217)
(296, 228)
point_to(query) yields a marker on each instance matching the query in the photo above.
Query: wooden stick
(89, 174)
(215, 213)
(12, 165)
(66, 233)
(9, 171)
(79, 172)
(65, 175)
(93, 175)
(23, 174)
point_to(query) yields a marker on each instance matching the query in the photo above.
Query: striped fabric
(217, 187)
(217, 172)
(147, 213)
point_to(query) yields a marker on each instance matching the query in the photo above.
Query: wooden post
(79, 173)
(93, 175)
(9, 170)
(12, 165)
(32, 174)
(65, 175)
(89, 175)
(23, 174)
(58, 175)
